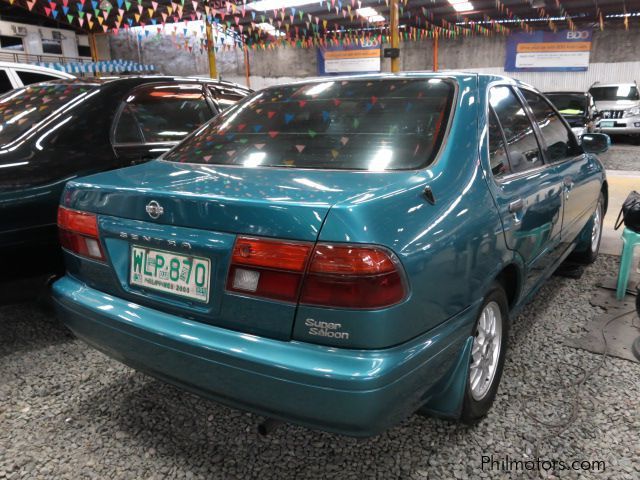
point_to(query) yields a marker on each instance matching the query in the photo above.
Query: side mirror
(595, 142)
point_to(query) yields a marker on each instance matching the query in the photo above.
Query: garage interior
(570, 388)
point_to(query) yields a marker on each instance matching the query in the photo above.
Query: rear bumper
(352, 392)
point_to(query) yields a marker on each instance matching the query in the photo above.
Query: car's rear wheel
(487, 355)
(587, 251)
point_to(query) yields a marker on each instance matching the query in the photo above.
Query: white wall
(544, 81)
(258, 83)
(576, 81)
(33, 40)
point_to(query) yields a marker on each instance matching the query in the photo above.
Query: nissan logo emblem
(154, 209)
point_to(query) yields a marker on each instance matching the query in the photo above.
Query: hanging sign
(562, 51)
(348, 59)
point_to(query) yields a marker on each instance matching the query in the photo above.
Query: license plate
(605, 124)
(182, 275)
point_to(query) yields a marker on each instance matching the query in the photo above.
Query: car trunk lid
(196, 212)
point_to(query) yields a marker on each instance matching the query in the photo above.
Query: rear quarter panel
(451, 251)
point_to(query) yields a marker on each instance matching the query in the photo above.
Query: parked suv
(618, 105)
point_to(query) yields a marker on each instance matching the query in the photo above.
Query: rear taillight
(79, 233)
(329, 275)
(268, 268)
(352, 277)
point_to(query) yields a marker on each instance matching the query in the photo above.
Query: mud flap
(446, 399)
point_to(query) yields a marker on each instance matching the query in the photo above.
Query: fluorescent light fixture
(23, 113)
(381, 159)
(255, 159)
(267, 5)
(9, 165)
(461, 6)
(270, 29)
(319, 88)
(371, 14)
(172, 133)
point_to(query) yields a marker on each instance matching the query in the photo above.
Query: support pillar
(394, 22)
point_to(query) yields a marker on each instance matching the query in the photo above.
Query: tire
(482, 386)
(587, 251)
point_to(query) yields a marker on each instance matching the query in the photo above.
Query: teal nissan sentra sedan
(338, 253)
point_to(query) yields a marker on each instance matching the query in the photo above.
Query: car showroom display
(53, 132)
(336, 253)
(578, 108)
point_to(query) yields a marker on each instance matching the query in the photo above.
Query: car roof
(36, 68)
(412, 75)
(566, 92)
(140, 79)
(621, 84)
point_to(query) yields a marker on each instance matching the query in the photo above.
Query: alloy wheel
(597, 227)
(485, 352)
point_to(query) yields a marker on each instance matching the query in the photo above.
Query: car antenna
(428, 193)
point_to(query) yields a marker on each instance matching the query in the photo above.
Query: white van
(15, 75)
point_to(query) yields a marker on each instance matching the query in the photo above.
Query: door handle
(568, 185)
(516, 206)
(567, 182)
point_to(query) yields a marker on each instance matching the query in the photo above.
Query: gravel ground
(622, 155)
(67, 411)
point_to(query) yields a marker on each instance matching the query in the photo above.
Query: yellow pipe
(247, 69)
(93, 47)
(395, 36)
(213, 71)
(435, 52)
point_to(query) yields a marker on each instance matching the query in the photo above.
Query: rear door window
(5, 82)
(161, 114)
(28, 78)
(522, 145)
(226, 96)
(360, 124)
(497, 150)
(26, 107)
(128, 130)
(559, 142)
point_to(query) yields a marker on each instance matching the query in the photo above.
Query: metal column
(395, 36)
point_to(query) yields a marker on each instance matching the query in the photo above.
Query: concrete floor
(67, 411)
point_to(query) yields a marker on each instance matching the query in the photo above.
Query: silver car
(618, 106)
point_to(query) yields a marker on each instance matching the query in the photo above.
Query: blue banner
(563, 51)
(348, 59)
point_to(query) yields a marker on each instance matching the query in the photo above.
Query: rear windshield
(569, 104)
(381, 124)
(24, 108)
(621, 92)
